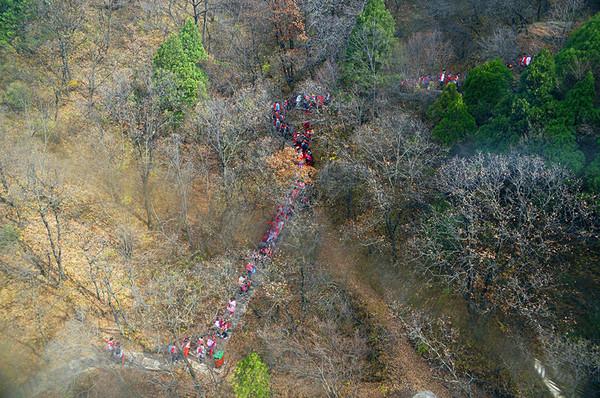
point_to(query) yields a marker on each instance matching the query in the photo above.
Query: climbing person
(186, 347)
(211, 344)
(250, 269)
(231, 306)
(241, 280)
(320, 101)
(226, 331)
(110, 343)
(118, 351)
(442, 78)
(306, 103)
(309, 158)
(246, 285)
(528, 60)
(200, 351)
(266, 251)
(174, 352)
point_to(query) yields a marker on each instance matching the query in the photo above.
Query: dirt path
(405, 370)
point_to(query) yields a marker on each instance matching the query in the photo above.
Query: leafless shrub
(427, 53)
(499, 235)
(328, 358)
(573, 361)
(502, 43)
(434, 339)
(396, 155)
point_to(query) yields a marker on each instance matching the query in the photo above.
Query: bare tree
(566, 12)
(502, 43)
(289, 31)
(334, 361)
(140, 106)
(63, 19)
(427, 52)
(38, 191)
(228, 125)
(98, 49)
(329, 24)
(574, 361)
(183, 172)
(396, 155)
(435, 338)
(499, 238)
(340, 184)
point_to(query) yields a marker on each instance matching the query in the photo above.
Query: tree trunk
(64, 55)
(146, 193)
(204, 18)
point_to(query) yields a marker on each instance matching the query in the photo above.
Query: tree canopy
(369, 45)
(12, 15)
(454, 122)
(179, 55)
(486, 86)
(251, 378)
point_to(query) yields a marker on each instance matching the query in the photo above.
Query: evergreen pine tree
(369, 46)
(487, 85)
(453, 121)
(192, 42)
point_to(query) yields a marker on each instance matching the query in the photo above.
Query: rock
(425, 394)
(151, 364)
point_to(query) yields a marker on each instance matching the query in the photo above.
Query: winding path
(261, 257)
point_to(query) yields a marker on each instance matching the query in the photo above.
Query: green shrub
(8, 236)
(487, 86)
(586, 43)
(17, 96)
(455, 123)
(539, 81)
(578, 105)
(497, 135)
(192, 42)
(251, 378)
(13, 14)
(592, 175)
(561, 146)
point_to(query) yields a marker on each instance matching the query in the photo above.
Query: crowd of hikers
(429, 82)
(207, 345)
(301, 139)
(114, 348)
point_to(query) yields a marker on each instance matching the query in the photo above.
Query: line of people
(444, 78)
(206, 345)
(301, 139)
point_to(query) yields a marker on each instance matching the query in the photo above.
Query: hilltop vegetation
(449, 236)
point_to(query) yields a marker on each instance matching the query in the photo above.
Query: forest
(300, 198)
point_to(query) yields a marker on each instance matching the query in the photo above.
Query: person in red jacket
(186, 347)
(442, 78)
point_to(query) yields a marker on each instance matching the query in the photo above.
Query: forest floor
(405, 370)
